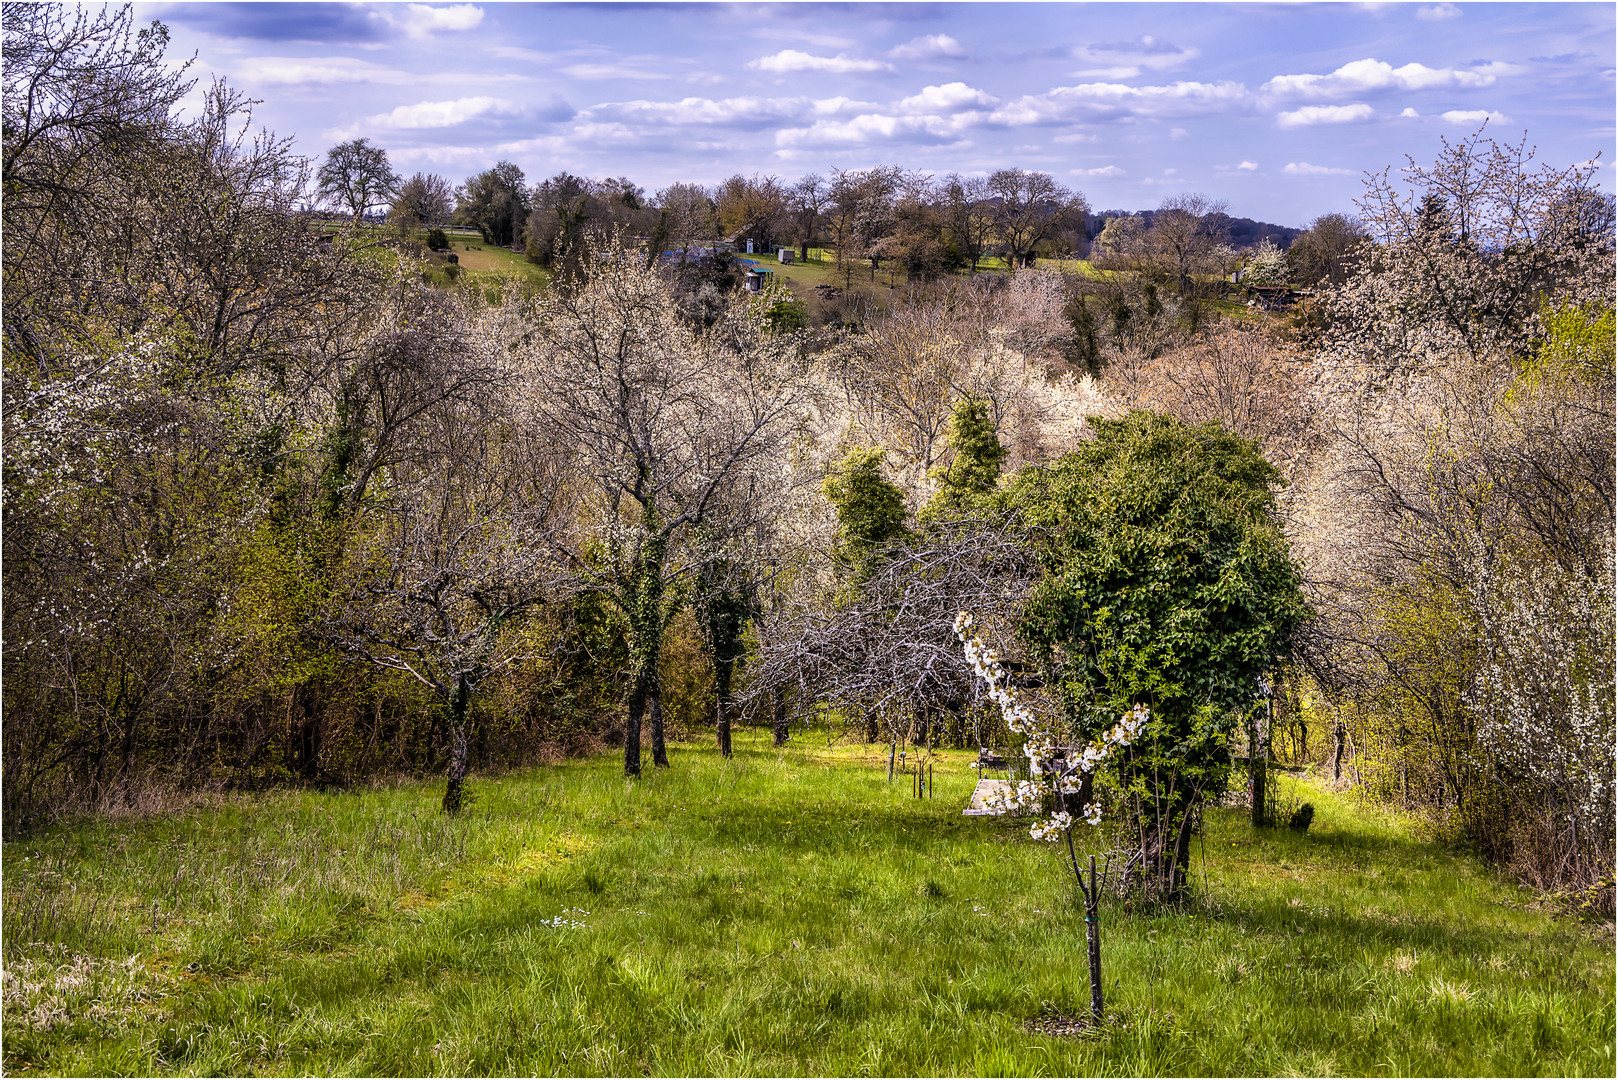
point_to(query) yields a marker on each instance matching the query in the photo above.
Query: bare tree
(356, 176)
(807, 201)
(888, 652)
(1324, 253)
(970, 214)
(861, 214)
(1028, 207)
(460, 548)
(424, 199)
(752, 208)
(115, 210)
(1187, 237)
(664, 422)
(1244, 379)
(687, 217)
(78, 85)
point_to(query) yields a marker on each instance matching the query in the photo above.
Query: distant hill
(1244, 232)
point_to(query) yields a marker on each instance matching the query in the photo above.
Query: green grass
(788, 912)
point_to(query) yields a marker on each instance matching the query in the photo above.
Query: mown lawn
(786, 913)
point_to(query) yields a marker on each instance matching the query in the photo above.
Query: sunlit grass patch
(788, 912)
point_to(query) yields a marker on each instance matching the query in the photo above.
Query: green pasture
(787, 912)
(482, 265)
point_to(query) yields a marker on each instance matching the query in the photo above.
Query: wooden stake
(1092, 938)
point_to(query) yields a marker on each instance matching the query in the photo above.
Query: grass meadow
(787, 912)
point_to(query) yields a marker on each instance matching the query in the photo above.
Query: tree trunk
(645, 631)
(1164, 855)
(308, 733)
(778, 716)
(1091, 891)
(660, 753)
(1337, 754)
(1257, 771)
(637, 706)
(723, 726)
(722, 673)
(1258, 758)
(457, 753)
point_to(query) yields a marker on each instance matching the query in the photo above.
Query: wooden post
(893, 748)
(1092, 938)
(929, 779)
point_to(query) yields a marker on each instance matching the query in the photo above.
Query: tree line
(918, 224)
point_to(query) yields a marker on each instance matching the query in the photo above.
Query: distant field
(479, 258)
(821, 269)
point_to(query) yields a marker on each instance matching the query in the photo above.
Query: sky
(1277, 108)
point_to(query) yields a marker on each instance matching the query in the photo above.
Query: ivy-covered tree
(1168, 583)
(974, 468)
(870, 510)
(724, 600)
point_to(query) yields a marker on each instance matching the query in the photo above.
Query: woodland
(580, 581)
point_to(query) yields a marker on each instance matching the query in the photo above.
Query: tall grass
(786, 912)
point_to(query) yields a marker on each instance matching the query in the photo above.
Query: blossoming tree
(1057, 775)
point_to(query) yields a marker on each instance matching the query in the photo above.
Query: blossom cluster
(1052, 774)
(567, 921)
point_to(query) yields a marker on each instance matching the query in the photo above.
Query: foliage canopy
(1168, 580)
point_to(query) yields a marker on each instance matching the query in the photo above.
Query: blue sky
(1276, 108)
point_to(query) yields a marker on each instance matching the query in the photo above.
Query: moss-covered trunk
(645, 603)
(460, 695)
(722, 675)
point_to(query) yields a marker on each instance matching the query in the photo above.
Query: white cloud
(1438, 11)
(1474, 116)
(1128, 59)
(610, 134)
(793, 60)
(741, 111)
(833, 105)
(1248, 166)
(550, 144)
(1303, 168)
(771, 31)
(951, 97)
(872, 127)
(1076, 137)
(1325, 114)
(435, 155)
(1410, 114)
(296, 71)
(439, 114)
(1179, 133)
(1360, 76)
(928, 47)
(1105, 170)
(1066, 103)
(329, 70)
(421, 21)
(612, 71)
